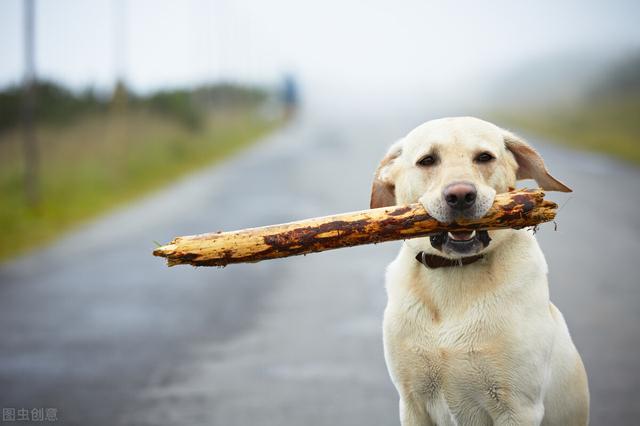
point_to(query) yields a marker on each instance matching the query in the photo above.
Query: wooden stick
(516, 209)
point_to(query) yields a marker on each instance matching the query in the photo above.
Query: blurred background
(126, 123)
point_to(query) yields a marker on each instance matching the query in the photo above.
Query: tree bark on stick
(515, 209)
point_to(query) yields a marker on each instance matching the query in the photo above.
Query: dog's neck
(452, 288)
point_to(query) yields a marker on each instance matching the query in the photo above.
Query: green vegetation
(56, 104)
(99, 157)
(611, 128)
(607, 120)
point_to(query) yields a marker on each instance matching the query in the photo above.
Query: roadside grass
(608, 126)
(100, 162)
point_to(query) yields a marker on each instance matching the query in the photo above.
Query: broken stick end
(165, 251)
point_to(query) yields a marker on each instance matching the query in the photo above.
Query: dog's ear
(383, 191)
(531, 165)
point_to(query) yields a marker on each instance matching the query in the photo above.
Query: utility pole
(30, 143)
(120, 95)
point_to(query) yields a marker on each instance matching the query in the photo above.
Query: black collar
(433, 261)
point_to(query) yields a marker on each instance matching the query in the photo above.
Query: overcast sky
(368, 46)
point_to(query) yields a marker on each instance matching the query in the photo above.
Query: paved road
(97, 328)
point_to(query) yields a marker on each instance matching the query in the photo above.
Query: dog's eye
(428, 160)
(485, 157)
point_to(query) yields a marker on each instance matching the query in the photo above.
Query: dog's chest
(451, 365)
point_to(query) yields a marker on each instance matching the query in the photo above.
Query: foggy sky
(370, 46)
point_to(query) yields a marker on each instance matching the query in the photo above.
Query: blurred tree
(56, 104)
(120, 97)
(622, 80)
(177, 103)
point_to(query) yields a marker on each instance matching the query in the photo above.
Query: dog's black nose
(460, 195)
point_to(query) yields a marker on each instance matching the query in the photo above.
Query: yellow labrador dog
(470, 335)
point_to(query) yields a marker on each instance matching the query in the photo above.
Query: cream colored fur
(479, 344)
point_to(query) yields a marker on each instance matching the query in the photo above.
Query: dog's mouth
(464, 243)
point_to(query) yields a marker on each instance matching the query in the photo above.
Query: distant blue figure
(290, 95)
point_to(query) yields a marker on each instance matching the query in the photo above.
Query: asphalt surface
(97, 328)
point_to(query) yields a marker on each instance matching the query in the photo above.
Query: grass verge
(610, 126)
(98, 162)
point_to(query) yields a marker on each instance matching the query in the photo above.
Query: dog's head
(455, 167)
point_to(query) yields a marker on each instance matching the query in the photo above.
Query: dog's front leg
(413, 413)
